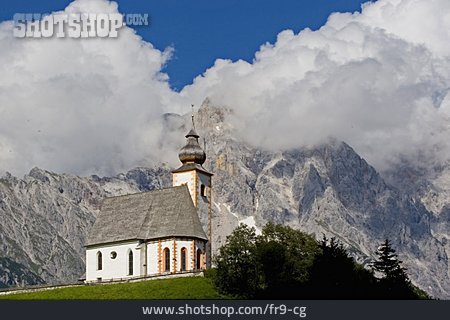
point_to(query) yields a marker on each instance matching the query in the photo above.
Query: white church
(161, 232)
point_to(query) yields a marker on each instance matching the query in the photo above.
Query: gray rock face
(45, 218)
(323, 190)
(330, 190)
(14, 274)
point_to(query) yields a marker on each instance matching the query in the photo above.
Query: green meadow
(175, 288)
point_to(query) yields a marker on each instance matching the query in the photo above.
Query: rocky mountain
(45, 218)
(323, 190)
(14, 274)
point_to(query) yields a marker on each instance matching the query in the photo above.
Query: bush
(238, 271)
(285, 258)
(283, 263)
(210, 273)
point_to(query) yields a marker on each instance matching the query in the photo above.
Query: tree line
(284, 263)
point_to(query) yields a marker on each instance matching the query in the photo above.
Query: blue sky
(370, 79)
(202, 30)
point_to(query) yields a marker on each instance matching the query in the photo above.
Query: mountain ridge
(323, 190)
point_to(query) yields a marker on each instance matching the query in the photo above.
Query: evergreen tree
(336, 275)
(388, 263)
(394, 282)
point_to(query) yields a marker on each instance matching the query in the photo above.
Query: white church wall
(202, 246)
(152, 257)
(117, 268)
(188, 178)
(184, 243)
(168, 243)
(113, 268)
(187, 243)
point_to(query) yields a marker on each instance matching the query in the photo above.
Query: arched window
(203, 190)
(166, 260)
(99, 261)
(199, 259)
(130, 263)
(183, 259)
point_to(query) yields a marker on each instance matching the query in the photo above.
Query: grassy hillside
(176, 288)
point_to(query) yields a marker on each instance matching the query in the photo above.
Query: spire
(192, 116)
(192, 132)
(192, 152)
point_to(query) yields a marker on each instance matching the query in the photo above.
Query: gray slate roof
(191, 166)
(147, 215)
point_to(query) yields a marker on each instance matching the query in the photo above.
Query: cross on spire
(192, 116)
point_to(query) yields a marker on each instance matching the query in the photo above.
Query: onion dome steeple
(192, 152)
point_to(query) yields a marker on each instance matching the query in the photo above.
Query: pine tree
(387, 263)
(394, 278)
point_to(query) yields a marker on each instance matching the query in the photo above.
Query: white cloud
(378, 80)
(375, 80)
(83, 106)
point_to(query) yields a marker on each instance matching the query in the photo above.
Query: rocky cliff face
(324, 190)
(45, 218)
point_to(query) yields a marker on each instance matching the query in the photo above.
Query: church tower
(198, 180)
